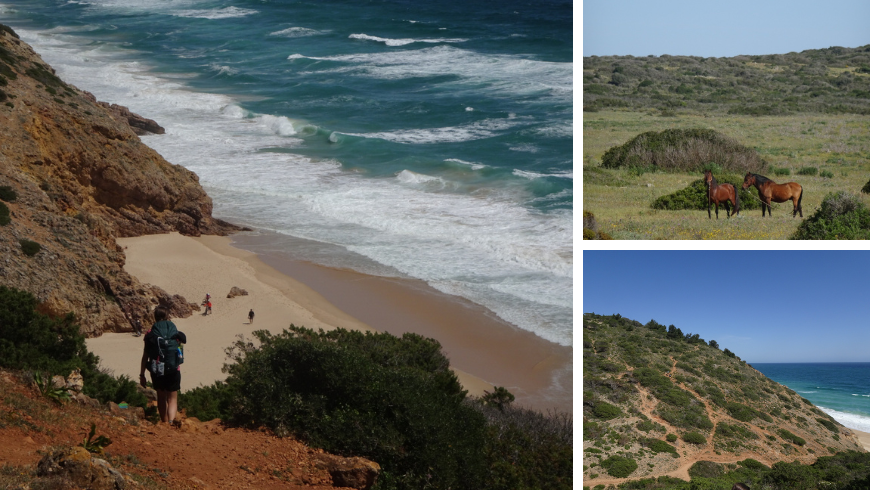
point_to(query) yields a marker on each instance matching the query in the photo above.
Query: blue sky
(765, 306)
(721, 29)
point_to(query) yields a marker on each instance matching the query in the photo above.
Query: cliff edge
(75, 177)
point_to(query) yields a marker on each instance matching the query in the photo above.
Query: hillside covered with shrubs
(661, 404)
(832, 80)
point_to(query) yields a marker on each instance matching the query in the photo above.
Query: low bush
(393, 400)
(788, 436)
(694, 438)
(619, 467)
(683, 150)
(706, 469)
(660, 446)
(841, 216)
(694, 196)
(606, 411)
(828, 425)
(29, 247)
(808, 171)
(826, 174)
(32, 341)
(7, 193)
(781, 171)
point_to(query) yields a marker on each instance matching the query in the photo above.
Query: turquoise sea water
(430, 139)
(840, 389)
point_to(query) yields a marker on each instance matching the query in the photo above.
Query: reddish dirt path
(196, 456)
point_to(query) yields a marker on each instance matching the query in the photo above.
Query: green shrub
(791, 475)
(619, 467)
(781, 171)
(841, 216)
(393, 400)
(660, 446)
(752, 464)
(694, 438)
(788, 436)
(808, 171)
(826, 174)
(29, 247)
(706, 469)
(694, 196)
(7, 193)
(5, 219)
(32, 341)
(829, 425)
(606, 411)
(680, 149)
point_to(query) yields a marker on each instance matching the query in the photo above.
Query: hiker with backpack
(162, 357)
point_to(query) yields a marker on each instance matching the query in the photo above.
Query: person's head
(161, 313)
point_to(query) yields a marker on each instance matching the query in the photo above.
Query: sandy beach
(483, 350)
(863, 438)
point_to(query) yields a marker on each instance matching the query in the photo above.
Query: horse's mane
(760, 179)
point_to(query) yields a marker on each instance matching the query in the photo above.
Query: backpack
(164, 351)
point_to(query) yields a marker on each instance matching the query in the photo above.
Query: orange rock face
(83, 178)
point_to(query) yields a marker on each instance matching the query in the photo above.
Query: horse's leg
(708, 208)
(717, 209)
(728, 208)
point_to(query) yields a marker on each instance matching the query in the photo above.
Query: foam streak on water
(475, 241)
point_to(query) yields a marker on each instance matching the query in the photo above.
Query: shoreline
(284, 291)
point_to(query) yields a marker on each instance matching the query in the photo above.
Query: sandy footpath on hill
(193, 267)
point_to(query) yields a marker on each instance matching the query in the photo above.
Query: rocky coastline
(76, 178)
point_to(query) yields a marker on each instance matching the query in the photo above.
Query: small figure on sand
(137, 326)
(207, 307)
(251, 316)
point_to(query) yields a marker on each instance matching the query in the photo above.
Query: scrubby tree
(714, 344)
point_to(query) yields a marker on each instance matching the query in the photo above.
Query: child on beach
(251, 316)
(207, 307)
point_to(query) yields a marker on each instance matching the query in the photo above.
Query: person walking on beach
(137, 326)
(251, 316)
(162, 357)
(207, 307)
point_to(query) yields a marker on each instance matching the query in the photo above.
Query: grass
(839, 145)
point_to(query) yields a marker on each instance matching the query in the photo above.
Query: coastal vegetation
(390, 399)
(651, 124)
(834, 80)
(842, 216)
(45, 346)
(656, 398)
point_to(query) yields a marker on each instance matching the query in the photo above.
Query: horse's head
(749, 180)
(708, 177)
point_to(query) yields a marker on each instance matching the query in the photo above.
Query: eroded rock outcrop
(83, 178)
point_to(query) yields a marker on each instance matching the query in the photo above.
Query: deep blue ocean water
(428, 139)
(840, 389)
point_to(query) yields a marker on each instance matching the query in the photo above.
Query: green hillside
(660, 402)
(833, 80)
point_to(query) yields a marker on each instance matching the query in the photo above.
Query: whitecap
(486, 128)
(402, 42)
(296, 32)
(280, 125)
(526, 147)
(213, 14)
(473, 165)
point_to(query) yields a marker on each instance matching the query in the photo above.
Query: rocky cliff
(75, 176)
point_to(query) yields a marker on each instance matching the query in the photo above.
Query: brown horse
(717, 193)
(769, 190)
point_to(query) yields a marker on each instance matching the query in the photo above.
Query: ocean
(840, 389)
(429, 140)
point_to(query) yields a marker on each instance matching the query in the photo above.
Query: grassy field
(620, 199)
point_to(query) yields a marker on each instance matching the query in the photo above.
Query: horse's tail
(800, 197)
